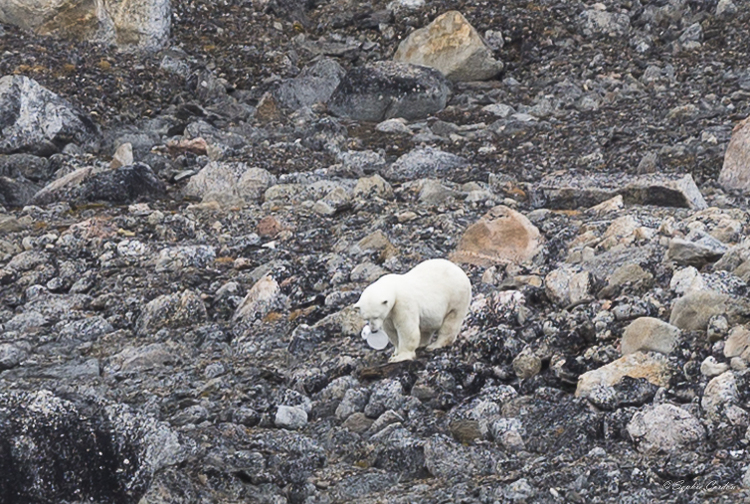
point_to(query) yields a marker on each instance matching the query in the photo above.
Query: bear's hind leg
(449, 330)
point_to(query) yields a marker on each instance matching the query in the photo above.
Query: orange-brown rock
(735, 174)
(501, 236)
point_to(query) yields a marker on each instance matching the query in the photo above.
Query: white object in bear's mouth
(377, 340)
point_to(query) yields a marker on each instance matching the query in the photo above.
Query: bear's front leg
(408, 338)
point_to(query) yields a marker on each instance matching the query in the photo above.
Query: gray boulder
(315, 84)
(665, 428)
(125, 184)
(34, 119)
(16, 192)
(564, 190)
(83, 449)
(424, 162)
(386, 89)
(171, 310)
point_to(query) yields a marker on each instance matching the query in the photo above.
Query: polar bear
(432, 297)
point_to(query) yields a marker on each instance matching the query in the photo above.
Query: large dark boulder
(386, 89)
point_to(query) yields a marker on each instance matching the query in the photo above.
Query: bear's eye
(385, 302)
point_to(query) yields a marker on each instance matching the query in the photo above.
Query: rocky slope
(183, 232)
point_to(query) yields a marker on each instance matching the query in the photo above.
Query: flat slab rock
(563, 190)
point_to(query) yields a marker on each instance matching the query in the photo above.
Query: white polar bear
(432, 296)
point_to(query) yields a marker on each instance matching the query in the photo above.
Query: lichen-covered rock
(38, 121)
(78, 448)
(720, 392)
(445, 458)
(424, 162)
(382, 90)
(189, 256)
(171, 310)
(314, 84)
(601, 22)
(126, 184)
(665, 428)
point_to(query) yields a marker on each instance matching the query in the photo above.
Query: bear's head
(375, 304)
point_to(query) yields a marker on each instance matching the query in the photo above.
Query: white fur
(432, 297)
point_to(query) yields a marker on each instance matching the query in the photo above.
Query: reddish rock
(735, 175)
(501, 236)
(269, 227)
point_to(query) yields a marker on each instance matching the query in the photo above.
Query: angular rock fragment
(383, 90)
(738, 343)
(37, 121)
(11, 356)
(665, 428)
(189, 256)
(16, 192)
(652, 366)
(218, 180)
(258, 302)
(720, 392)
(171, 310)
(696, 249)
(126, 184)
(140, 359)
(424, 162)
(501, 236)
(735, 174)
(649, 334)
(34, 168)
(290, 417)
(450, 44)
(570, 191)
(315, 84)
(686, 280)
(566, 286)
(693, 311)
(398, 450)
(368, 187)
